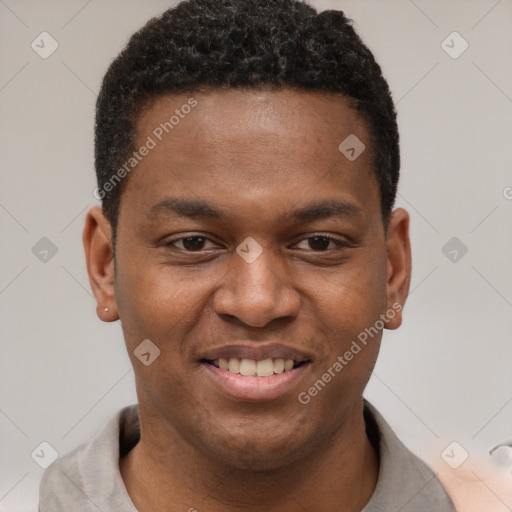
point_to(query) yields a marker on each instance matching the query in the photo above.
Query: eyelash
(339, 243)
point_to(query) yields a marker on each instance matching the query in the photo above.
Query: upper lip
(258, 351)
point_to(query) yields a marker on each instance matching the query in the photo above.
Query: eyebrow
(324, 210)
(191, 208)
(197, 209)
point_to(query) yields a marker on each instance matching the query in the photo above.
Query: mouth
(255, 368)
(252, 372)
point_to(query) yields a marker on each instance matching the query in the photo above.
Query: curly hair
(242, 44)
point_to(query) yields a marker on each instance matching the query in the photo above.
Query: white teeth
(251, 367)
(265, 368)
(247, 367)
(234, 365)
(288, 364)
(278, 365)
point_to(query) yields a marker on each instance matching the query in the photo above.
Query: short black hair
(203, 44)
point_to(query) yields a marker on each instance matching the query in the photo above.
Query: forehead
(300, 122)
(259, 146)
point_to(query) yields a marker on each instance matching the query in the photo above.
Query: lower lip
(256, 388)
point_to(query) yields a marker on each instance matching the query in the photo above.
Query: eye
(323, 243)
(189, 243)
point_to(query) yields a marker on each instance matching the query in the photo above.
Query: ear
(399, 265)
(99, 255)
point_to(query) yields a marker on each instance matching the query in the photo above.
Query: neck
(341, 474)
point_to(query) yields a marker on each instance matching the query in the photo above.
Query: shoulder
(89, 474)
(405, 482)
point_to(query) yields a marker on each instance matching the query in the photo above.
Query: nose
(256, 293)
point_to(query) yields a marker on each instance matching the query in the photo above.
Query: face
(247, 241)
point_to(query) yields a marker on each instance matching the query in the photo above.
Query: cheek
(354, 296)
(156, 303)
(161, 306)
(348, 314)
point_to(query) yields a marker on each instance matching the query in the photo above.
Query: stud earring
(106, 310)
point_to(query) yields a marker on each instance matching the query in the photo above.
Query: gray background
(444, 376)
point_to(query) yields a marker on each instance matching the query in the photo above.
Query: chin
(256, 449)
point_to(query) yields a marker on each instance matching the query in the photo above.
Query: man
(247, 160)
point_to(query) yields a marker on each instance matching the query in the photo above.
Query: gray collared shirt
(88, 478)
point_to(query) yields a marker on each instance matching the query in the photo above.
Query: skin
(258, 155)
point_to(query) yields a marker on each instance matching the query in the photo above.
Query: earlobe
(97, 240)
(399, 265)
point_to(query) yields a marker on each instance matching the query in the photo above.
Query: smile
(251, 380)
(254, 368)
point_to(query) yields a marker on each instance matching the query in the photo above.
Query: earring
(106, 310)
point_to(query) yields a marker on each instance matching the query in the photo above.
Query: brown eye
(194, 243)
(319, 243)
(190, 243)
